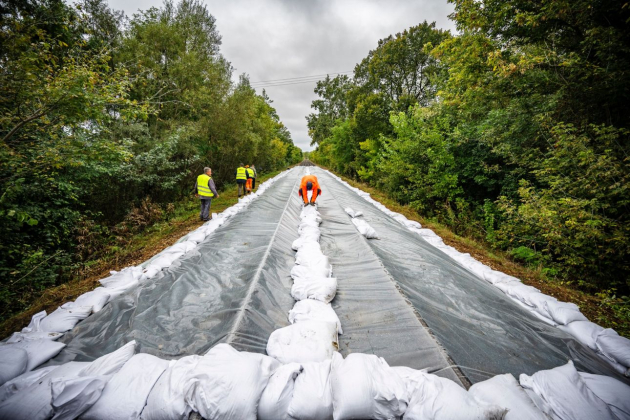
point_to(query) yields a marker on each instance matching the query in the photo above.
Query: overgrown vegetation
(514, 132)
(105, 123)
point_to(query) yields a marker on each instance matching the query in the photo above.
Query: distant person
(206, 191)
(309, 183)
(253, 168)
(250, 178)
(241, 180)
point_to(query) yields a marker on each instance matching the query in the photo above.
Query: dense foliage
(515, 131)
(106, 120)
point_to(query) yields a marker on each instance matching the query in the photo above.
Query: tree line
(515, 130)
(103, 116)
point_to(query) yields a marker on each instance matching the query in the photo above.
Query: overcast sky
(289, 39)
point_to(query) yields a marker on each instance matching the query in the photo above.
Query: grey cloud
(279, 39)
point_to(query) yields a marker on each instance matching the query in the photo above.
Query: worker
(250, 178)
(241, 179)
(206, 191)
(309, 183)
(253, 168)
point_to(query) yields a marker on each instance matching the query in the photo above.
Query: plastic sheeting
(234, 287)
(481, 329)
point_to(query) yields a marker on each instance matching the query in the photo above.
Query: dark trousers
(241, 186)
(253, 184)
(205, 208)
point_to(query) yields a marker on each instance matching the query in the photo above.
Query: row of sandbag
(36, 344)
(362, 226)
(227, 384)
(608, 344)
(313, 333)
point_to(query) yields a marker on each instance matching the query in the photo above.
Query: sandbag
(584, 331)
(353, 213)
(318, 288)
(228, 384)
(110, 363)
(304, 272)
(16, 337)
(504, 391)
(566, 395)
(314, 310)
(71, 397)
(23, 381)
(275, 399)
(13, 362)
(432, 397)
(314, 260)
(311, 236)
(614, 346)
(614, 393)
(62, 319)
(307, 341)
(564, 312)
(312, 393)
(122, 278)
(126, 393)
(365, 229)
(365, 387)
(97, 298)
(35, 401)
(39, 351)
(167, 399)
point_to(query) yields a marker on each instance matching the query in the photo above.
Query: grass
(598, 308)
(139, 248)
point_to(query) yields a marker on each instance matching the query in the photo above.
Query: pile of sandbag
(609, 345)
(314, 326)
(362, 226)
(36, 344)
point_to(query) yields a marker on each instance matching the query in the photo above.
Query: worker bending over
(309, 183)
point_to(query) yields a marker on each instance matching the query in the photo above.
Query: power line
(292, 81)
(302, 77)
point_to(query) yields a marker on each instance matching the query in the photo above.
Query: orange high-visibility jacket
(304, 192)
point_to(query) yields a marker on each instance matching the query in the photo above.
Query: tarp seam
(256, 278)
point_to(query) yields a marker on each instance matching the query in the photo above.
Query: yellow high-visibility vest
(241, 173)
(202, 186)
(250, 172)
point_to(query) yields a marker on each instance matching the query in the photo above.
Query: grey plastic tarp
(481, 329)
(235, 287)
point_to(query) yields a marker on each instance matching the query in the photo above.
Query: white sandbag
(566, 395)
(275, 399)
(111, 362)
(614, 346)
(72, 397)
(311, 236)
(349, 211)
(518, 291)
(122, 278)
(62, 320)
(97, 298)
(306, 272)
(308, 341)
(308, 252)
(23, 381)
(312, 393)
(167, 399)
(126, 393)
(228, 384)
(16, 337)
(314, 310)
(564, 312)
(537, 302)
(318, 288)
(504, 391)
(433, 397)
(196, 236)
(365, 387)
(584, 331)
(614, 393)
(35, 401)
(39, 351)
(365, 229)
(13, 362)
(33, 326)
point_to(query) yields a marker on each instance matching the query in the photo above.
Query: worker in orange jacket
(309, 183)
